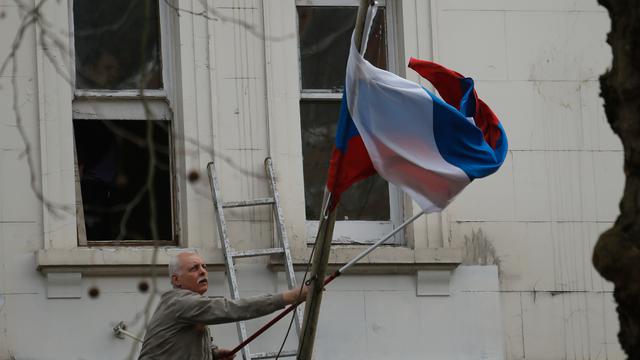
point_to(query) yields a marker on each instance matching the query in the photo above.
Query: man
(178, 328)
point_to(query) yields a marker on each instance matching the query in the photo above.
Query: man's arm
(194, 308)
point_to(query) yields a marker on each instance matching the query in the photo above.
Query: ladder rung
(272, 355)
(262, 201)
(257, 252)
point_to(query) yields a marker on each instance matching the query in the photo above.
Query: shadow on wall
(479, 250)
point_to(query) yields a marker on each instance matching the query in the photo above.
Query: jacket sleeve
(195, 308)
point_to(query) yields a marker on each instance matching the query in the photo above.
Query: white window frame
(361, 231)
(58, 104)
(127, 105)
(427, 240)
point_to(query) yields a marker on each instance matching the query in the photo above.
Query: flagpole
(323, 244)
(316, 282)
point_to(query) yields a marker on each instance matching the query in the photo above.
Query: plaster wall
(526, 289)
(538, 218)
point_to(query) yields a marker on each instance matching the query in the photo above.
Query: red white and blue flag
(428, 147)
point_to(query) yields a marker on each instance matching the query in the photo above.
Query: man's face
(106, 71)
(192, 275)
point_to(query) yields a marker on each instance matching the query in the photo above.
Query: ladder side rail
(222, 230)
(282, 235)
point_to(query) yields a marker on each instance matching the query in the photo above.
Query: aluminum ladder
(281, 247)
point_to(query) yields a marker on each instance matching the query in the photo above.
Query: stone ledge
(116, 260)
(139, 260)
(384, 260)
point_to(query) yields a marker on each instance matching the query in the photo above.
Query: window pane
(367, 200)
(325, 34)
(109, 44)
(113, 158)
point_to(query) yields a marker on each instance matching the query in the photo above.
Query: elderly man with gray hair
(178, 328)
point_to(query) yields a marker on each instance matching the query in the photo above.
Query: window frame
(428, 244)
(348, 232)
(60, 251)
(128, 105)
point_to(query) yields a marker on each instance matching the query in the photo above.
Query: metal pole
(379, 242)
(121, 329)
(318, 271)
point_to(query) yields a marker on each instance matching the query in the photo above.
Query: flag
(350, 161)
(430, 147)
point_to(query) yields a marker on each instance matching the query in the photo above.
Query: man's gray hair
(174, 263)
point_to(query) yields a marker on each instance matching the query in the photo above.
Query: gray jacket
(178, 328)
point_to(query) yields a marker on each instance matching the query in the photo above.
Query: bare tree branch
(211, 13)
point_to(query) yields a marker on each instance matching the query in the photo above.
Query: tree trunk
(617, 253)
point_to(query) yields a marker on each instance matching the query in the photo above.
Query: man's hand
(222, 354)
(295, 296)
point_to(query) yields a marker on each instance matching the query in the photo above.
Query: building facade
(99, 185)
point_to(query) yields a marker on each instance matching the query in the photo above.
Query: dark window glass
(109, 44)
(325, 35)
(113, 158)
(366, 200)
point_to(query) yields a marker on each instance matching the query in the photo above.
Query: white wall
(537, 64)
(363, 317)
(527, 288)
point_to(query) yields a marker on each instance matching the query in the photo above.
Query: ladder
(230, 254)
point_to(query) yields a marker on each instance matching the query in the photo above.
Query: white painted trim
(170, 32)
(56, 135)
(122, 94)
(320, 95)
(137, 260)
(365, 232)
(57, 108)
(393, 22)
(166, 48)
(127, 259)
(334, 2)
(283, 113)
(119, 109)
(72, 45)
(355, 232)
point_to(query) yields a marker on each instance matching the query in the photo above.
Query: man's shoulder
(174, 294)
(173, 301)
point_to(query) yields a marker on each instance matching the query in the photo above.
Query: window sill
(387, 260)
(138, 260)
(116, 260)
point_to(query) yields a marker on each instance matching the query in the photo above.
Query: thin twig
(217, 15)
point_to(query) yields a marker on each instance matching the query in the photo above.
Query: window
(324, 29)
(123, 141)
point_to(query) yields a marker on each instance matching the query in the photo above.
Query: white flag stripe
(394, 117)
